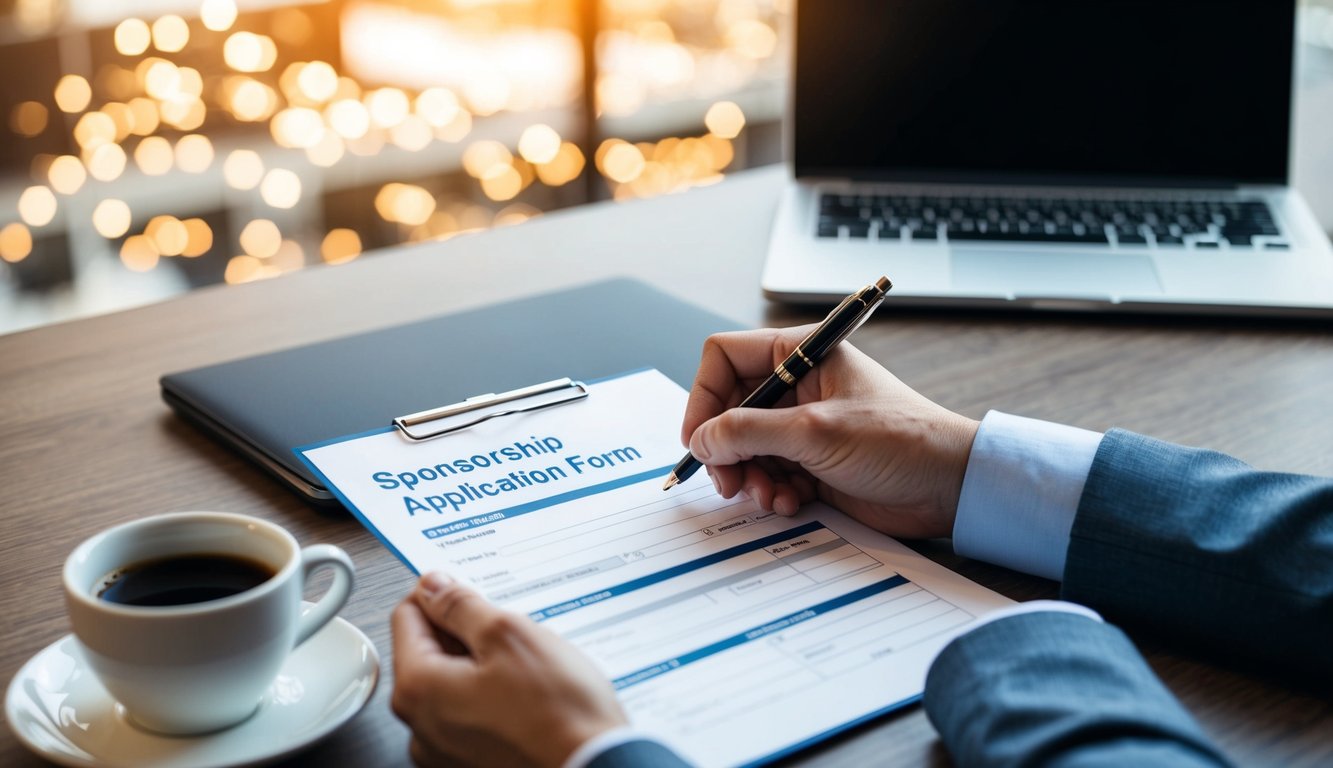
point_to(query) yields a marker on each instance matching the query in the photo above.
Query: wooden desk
(85, 441)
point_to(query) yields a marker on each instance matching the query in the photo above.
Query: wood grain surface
(86, 442)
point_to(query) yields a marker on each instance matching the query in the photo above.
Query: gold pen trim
(785, 375)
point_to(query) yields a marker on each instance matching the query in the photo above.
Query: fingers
(741, 434)
(730, 362)
(463, 613)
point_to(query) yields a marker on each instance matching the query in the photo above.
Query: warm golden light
(122, 116)
(218, 15)
(199, 238)
(486, 92)
(340, 246)
(170, 33)
(155, 156)
(37, 206)
(621, 162)
(194, 153)
(111, 218)
(564, 167)
(515, 214)
(327, 152)
(289, 258)
(168, 235)
(388, 107)
(413, 134)
(720, 151)
(502, 183)
(107, 162)
(483, 156)
(404, 203)
(317, 81)
(725, 119)
(280, 188)
(297, 127)
(146, 119)
(162, 79)
(15, 243)
(348, 117)
(94, 129)
(66, 174)
(243, 269)
(539, 144)
(73, 94)
(752, 38)
(28, 118)
(138, 253)
(243, 169)
(132, 37)
(248, 52)
(457, 129)
(261, 238)
(437, 106)
(248, 99)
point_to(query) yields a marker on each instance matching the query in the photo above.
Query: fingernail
(433, 582)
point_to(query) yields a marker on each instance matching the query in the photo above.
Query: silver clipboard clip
(491, 406)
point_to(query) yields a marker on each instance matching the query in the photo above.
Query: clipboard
(267, 405)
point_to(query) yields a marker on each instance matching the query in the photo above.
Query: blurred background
(148, 147)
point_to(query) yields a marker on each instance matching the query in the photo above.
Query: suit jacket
(1222, 558)
(1190, 544)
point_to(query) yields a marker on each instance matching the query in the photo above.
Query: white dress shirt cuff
(1021, 492)
(604, 742)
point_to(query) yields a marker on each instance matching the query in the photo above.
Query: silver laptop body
(1102, 155)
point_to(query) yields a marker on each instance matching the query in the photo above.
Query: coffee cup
(186, 618)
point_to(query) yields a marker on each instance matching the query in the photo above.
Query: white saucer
(59, 710)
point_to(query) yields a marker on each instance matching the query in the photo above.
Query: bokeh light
(15, 243)
(66, 174)
(348, 117)
(404, 203)
(138, 253)
(280, 188)
(218, 15)
(94, 129)
(112, 218)
(620, 161)
(564, 167)
(132, 37)
(388, 107)
(154, 156)
(37, 206)
(502, 182)
(168, 235)
(194, 153)
(199, 238)
(243, 169)
(340, 245)
(72, 94)
(317, 81)
(261, 238)
(539, 143)
(28, 118)
(106, 162)
(725, 119)
(481, 157)
(297, 127)
(249, 52)
(437, 106)
(170, 33)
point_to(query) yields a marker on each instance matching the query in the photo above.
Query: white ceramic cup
(197, 667)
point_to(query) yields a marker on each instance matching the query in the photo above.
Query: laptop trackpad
(1054, 273)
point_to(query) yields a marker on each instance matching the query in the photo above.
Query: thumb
(741, 434)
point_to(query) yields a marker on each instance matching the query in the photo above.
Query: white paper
(733, 635)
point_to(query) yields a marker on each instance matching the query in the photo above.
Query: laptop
(1125, 155)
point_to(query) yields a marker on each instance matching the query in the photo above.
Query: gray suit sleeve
(639, 754)
(1219, 557)
(1057, 689)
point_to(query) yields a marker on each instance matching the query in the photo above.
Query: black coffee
(183, 580)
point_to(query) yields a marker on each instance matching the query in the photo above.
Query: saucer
(58, 709)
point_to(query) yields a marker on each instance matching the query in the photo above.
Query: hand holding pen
(840, 323)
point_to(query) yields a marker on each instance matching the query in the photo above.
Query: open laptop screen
(1081, 91)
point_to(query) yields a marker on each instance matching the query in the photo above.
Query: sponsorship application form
(733, 634)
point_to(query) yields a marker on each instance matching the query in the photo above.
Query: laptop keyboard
(1167, 223)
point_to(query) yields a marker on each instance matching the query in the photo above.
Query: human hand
(852, 435)
(481, 686)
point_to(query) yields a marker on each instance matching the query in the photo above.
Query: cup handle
(312, 559)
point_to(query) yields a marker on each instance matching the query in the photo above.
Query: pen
(841, 322)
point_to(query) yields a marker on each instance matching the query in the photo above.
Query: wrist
(957, 435)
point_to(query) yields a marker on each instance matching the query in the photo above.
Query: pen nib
(670, 481)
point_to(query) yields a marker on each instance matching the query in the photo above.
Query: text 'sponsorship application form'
(733, 634)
